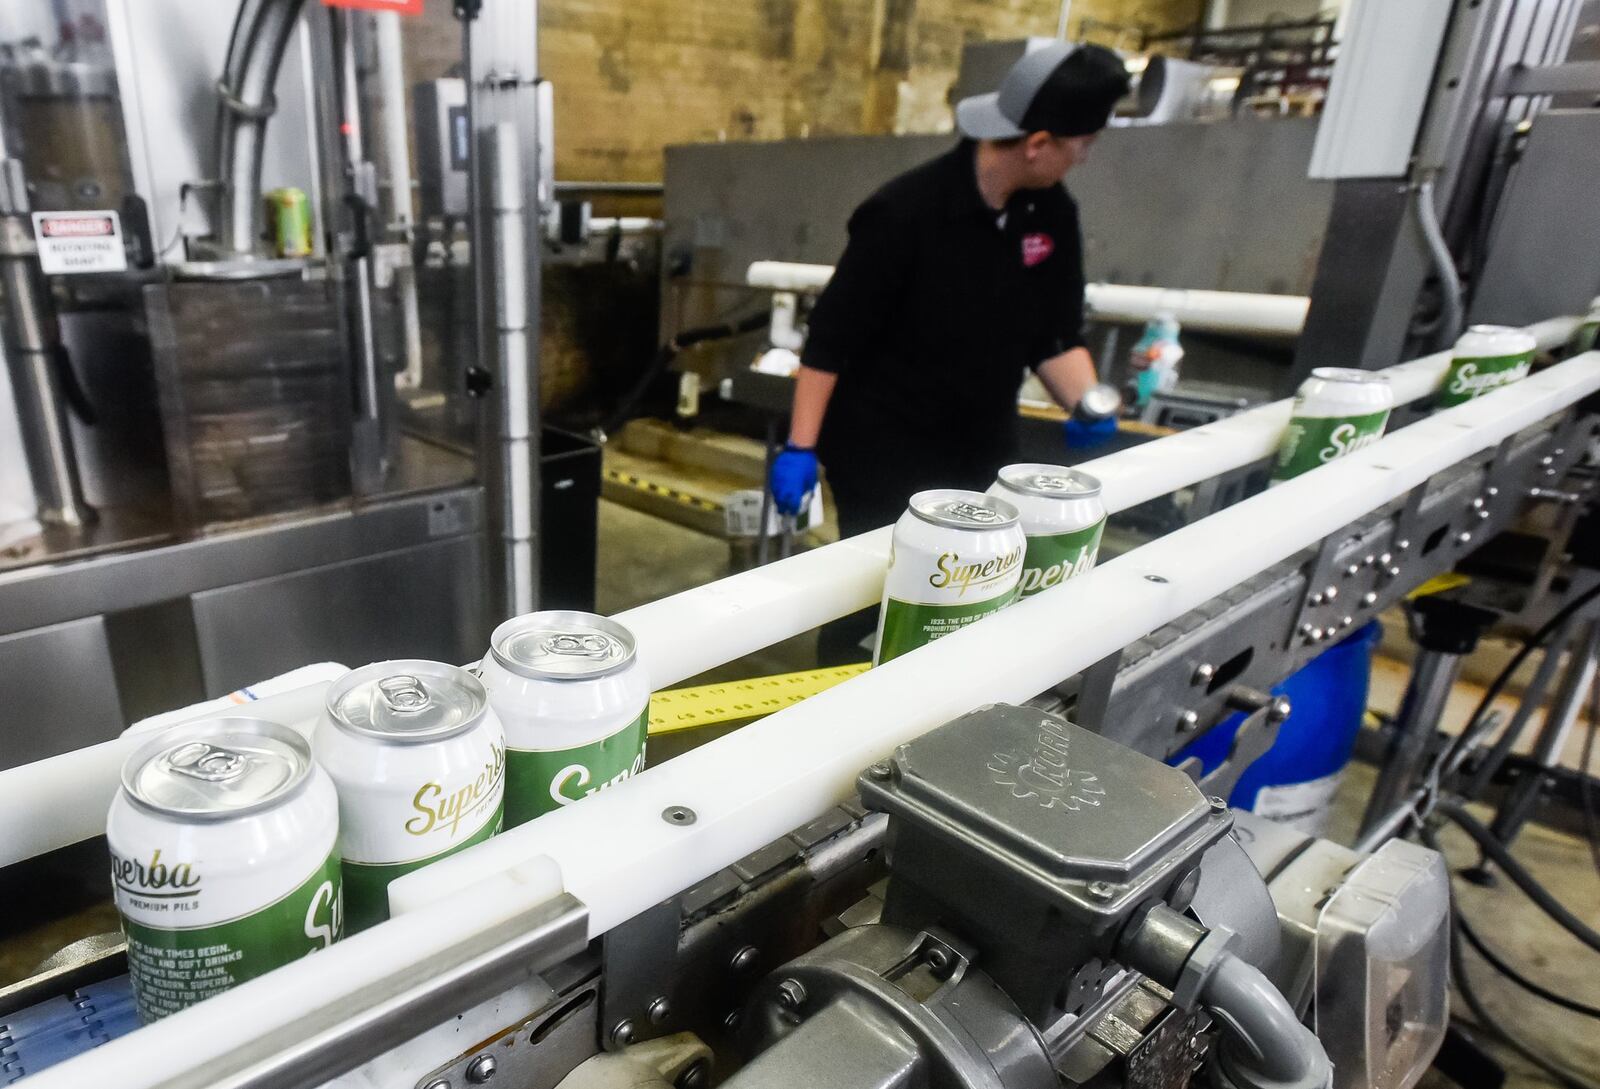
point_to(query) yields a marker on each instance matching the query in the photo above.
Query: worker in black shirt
(959, 275)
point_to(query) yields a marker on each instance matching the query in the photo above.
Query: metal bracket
(635, 959)
(1255, 736)
(554, 1040)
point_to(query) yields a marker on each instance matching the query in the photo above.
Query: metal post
(371, 460)
(1532, 697)
(1523, 797)
(1432, 677)
(500, 153)
(501, 54)
(32, 347)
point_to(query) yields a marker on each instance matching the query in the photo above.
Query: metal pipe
(255, 52)
(1432, 678)
(32, 350)
(1523, 796)
(1532, 697)
(397, 165)
(518, 386)
(618, 855)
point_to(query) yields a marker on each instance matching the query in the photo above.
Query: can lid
(217, 768)
(562, 645)
(407, 700)
(1050, 481)
(1350, 374)
(1494, 340)
(959, 509)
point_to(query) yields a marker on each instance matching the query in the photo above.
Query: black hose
(1495, 961)
(668, 352)
(1524, 880)
(1449, 757)
(1591, 822)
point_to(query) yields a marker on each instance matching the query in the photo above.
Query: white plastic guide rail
(617, 854)
(1243, 312)
(62, 800)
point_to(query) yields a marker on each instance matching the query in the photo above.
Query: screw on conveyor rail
(881, 770)
(744, 959)
(622, 1033)
(1203, 673)
(659, 1010)
(482, 1069)
(1188, 722)
(678, 814)
(695, 1076)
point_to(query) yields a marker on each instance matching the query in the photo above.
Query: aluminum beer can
(1337, 411)
(956, 557)
(1062, 517)
(576, 705)
(1486, 358)
(224, 859)
(418, 758)
(1587, 336)
(289, 212)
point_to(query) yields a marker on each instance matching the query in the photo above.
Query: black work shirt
(935, 311)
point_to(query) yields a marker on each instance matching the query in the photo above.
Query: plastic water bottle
(1158, 353)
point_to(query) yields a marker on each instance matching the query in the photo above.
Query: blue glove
(1082, 434)
(794, 474)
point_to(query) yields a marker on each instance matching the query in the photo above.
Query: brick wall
(632, 76)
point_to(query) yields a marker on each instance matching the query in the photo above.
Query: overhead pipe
(255, 53)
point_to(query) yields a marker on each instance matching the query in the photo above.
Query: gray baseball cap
(1067, 89)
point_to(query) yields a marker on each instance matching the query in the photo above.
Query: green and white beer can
(1337, 411)
(576, 705)
(1062, 517)
(224, 859)
(1587, 336)
(418, 758)
(956, 557)
(1486, 358)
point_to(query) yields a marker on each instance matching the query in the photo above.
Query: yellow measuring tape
(708, 704)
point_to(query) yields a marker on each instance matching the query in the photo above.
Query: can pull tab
(1050, 482)
(404, 694)
(579, 646)
(971, 512)
(206, 762)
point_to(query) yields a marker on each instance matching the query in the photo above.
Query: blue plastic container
(1295, 781)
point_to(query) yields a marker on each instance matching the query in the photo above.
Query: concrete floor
(643, 558)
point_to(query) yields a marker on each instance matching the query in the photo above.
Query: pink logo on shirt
(1035, 248)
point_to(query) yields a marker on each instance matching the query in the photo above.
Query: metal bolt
(1558, 451)
(438, 1083)
(1277, 711)
(1402, 544)
(1393, 572)
(1101, 890)
(1203, 673)
(731, 1022)
(1217, 804)
(791, 995)
(1306, 630)
(1347, 622)
(1154, 578)
(1483, 516)
(938, 959)
(1491, 491)
(678, 814)
(1352, 571)
(1385, 559)
(1463, 537)
(1550, 472)
(659, 1010)
(622, 1033)
(1315, 634)
(1369, 561)
(1331, 593)
(1477, 504)
(1547, 461)
(1316, 599)
(880, 771)
(694, 1077)
(1369, 598)
(1188, 722)
(481, 1069)
(744, 959)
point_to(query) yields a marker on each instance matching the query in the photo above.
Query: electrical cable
(1524, 880)
(1450, 757)
(1591, 822)
(1496, 962)
(1487, 1021)
(669, 351)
